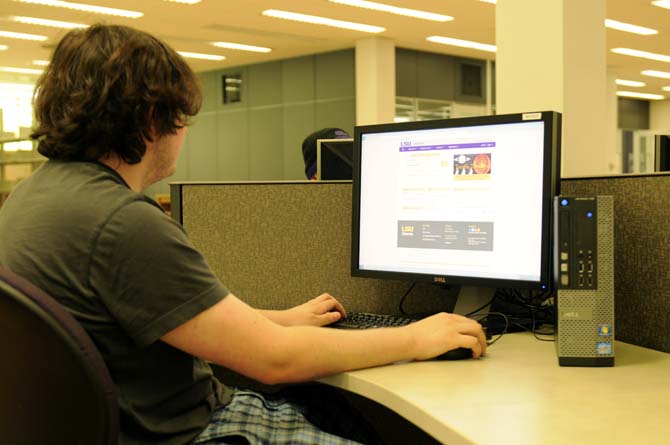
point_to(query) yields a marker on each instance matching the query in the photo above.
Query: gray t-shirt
(129, 275)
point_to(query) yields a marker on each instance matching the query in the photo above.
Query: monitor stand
(474, 301)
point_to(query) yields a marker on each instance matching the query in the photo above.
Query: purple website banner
(448, 146)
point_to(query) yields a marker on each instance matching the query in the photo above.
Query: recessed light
(640, 95)
(325, 21)
(425, 15)
(41, 62)
(188, 2)
(242, 47)
(654, 73)
(630, 83)
(666, 88)
(4, 47)
(201, 56)
(493, 2)
(11, 69)
(46, 22)
(84, 7)
(627, 27)
(662, 3)
(462, 43)
(642, 54)
(22, 36)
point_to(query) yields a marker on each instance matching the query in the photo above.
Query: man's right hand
(443, 332)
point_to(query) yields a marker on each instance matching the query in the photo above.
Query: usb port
(589, 267)
(580, 281)
(589, 281)
(580, 267)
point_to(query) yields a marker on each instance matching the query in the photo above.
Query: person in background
(112, 112)
(309, 147)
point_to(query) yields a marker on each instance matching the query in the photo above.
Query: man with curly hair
(112, 109)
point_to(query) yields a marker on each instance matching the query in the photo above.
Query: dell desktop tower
(584, 280)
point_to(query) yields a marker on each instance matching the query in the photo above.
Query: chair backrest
(54, 385)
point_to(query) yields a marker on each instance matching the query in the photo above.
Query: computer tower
(584, 280)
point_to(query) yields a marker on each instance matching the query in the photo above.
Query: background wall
(260, 137)
(438, 76)
(633, 114)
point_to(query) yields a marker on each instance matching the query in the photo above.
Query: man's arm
(319, 311)
(239, 337)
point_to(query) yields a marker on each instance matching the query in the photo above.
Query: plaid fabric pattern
(260, 419)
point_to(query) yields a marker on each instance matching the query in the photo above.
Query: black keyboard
(363, 320)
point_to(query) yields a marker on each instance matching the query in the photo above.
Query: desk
(518, 394)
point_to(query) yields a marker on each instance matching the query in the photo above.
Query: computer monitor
(334, 159)
(662, 152)
(463, 202)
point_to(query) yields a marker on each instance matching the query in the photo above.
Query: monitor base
(474, 302)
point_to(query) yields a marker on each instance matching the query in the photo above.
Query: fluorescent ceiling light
(642, 54)
(395, 10)
(462, 43)
(662, 3)
(627, 27)
(666, 88)
(316, 20)
(188, 2)
(654, 73)
(84, 7)
(41, 62)
(4, 47)
(630, 83)
(493, 2)
(11, 69)
(201, 56)
(640, 95)
(45, 22)
(23, 36)
(242, 47)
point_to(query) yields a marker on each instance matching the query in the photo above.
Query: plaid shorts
(293, 418)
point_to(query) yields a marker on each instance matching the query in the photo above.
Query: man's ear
(151, 130)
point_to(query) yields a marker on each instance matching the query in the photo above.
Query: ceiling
(192, 27)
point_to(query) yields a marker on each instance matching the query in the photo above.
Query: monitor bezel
(319, 157)
(550, 188)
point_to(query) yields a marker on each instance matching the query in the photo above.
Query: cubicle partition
(276, 244)
(641, 253)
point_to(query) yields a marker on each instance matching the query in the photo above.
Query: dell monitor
(463, 202)
(334, 159)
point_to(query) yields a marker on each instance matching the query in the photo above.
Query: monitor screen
(457, 201)
(334, 159)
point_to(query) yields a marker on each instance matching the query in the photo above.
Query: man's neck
(133, 174)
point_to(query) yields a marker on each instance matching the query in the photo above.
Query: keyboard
(364, 320)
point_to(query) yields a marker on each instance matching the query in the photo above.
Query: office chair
(54, 385)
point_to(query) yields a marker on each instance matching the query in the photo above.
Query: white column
(612, 144)
(659, 116)
(375, 81)
(551, 56)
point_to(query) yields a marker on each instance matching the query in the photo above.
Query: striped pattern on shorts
(271, 419)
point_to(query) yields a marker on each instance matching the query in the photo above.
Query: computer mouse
(455, 354)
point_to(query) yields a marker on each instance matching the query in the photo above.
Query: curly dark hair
(104, 91)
